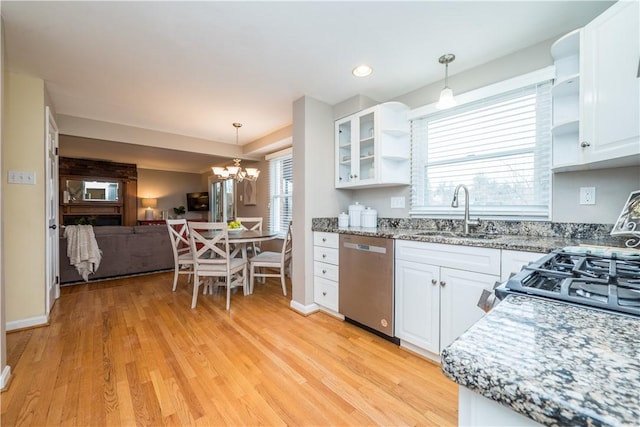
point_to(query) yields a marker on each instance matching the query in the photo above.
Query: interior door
(52, 247)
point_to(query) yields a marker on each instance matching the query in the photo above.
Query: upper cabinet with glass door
(373, 148)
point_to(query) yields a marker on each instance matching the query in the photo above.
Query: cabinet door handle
(443, 283)
(324, 239)
(324, 255)
(324, 271)
(324, 294)
(585, 144)
(434, 282)
(355, 176)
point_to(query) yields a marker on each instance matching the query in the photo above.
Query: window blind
(499, 147)
(281, 194)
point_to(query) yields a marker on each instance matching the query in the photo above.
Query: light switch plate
(21, 177)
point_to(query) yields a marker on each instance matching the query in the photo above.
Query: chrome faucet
(454, 204)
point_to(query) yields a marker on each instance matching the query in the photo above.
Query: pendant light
(235, 171)
(446, 95)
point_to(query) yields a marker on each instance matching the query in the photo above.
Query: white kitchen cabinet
(437, 290)
(610, 97)
(566, 99)
(325, 270)
(417, 300)
(513, 261)
(596, 95)
(459, 295)
(372, 147)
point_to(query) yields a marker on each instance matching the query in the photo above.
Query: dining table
(242, 237)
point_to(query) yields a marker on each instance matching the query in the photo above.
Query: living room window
(280, 191)
(499, 146)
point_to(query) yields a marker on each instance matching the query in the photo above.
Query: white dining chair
(251, 223)
(272, 260)
(182, 256)
(210, 247)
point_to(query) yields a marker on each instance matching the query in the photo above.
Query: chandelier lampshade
(235, 171)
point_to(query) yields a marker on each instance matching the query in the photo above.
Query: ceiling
(193, 68)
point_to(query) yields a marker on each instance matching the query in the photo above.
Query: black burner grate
(612, 283)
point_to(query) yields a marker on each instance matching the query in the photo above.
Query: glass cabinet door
(344, 152)
(366, 150)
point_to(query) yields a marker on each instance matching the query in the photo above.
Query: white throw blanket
(82, 249)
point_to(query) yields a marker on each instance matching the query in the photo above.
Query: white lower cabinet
(437, 288)
(325, 270)
(417, 299)
(513, 261)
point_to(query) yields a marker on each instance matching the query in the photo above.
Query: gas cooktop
(609, 280)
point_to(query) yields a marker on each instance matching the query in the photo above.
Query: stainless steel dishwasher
(366, 295)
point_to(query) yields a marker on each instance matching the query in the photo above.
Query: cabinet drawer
(468, 258)
(326, 271)
(327, 240)
(325, 293)
(328, 255)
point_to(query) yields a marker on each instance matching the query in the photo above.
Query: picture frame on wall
(249, 193)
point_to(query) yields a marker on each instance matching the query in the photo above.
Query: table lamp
(149, 203)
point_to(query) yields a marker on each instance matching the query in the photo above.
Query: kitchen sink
(452, 234)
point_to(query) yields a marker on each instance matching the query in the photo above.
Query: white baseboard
(27, 323)
(5, 377)
(304, 309)
(420, 351)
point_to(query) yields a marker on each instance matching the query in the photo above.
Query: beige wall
(5, 370)
(261, 208)
(170, 188)
(23, 209)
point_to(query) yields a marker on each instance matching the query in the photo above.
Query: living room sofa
(125, 251)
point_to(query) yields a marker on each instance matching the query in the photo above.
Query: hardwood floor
(130, 351)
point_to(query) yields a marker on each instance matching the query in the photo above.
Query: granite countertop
(555, 363)
(495, 238)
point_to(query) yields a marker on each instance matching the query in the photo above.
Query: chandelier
(235, 171)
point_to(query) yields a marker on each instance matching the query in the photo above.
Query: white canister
(354, 214)
(343, 220)
(369, 218)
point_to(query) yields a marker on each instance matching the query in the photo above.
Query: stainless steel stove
(607, 280)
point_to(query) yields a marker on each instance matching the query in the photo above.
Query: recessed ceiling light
(362, 70)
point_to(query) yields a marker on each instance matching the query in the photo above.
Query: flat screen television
(198, 201)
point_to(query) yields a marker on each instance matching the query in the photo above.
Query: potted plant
(179, 211)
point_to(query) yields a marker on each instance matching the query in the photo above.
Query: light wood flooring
(132, 352)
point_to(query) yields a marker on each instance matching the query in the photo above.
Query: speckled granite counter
(531, 236)
(554, 363)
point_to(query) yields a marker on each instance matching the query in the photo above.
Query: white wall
(613, 187)
(314, 194)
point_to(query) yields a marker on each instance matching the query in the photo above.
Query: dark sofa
(125, 251)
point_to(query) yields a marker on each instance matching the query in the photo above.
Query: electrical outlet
(587, 195)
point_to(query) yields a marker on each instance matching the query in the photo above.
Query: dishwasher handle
(365, 248)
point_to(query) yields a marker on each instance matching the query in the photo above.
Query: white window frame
(278, 222)
(497, 89)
